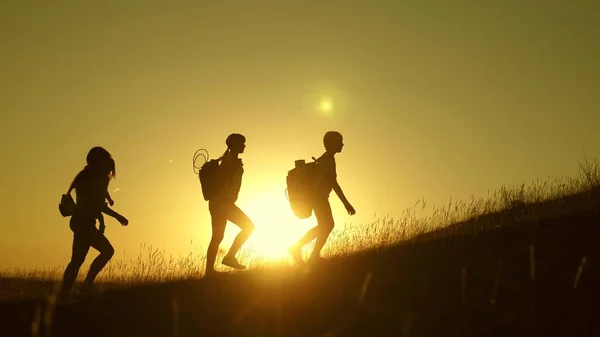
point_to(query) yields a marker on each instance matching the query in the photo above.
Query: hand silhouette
(123, 220)
(350, 209)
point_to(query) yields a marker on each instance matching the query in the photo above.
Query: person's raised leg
(238, 217)
(296, 249)
(101, 244)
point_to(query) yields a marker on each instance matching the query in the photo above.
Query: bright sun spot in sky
(326, 105)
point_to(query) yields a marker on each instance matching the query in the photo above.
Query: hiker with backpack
(221, 185)
(91, 186)
(313, 194)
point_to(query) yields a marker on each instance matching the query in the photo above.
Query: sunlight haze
(434, 99)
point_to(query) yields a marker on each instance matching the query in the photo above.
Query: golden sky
(435, 99)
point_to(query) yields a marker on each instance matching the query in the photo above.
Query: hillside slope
(516, 280)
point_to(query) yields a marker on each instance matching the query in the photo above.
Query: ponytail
(76, 180)
(224, 154)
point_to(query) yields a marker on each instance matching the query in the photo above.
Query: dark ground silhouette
(476, 284)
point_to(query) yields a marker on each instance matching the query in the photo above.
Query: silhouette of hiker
(222, 206)
(326, 167)
(91, 186)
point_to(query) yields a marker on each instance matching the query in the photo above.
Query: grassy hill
(528, 266)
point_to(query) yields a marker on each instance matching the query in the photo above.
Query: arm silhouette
(338, 190)
(110, 212)
(331, 178)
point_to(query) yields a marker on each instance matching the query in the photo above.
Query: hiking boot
(232, 262)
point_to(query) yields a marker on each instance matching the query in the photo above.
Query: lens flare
(326, 105)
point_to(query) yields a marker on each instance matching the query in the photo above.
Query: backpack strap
(317, 159)
(70, 189)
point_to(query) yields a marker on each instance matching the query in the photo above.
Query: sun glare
(326, 105)
(276, 227)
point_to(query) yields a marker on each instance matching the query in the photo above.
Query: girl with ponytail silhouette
(222, 206)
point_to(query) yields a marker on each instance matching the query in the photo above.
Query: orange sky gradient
(435, 100)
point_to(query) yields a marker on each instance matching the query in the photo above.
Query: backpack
(207, 174)
(66, 207)
(302, 182)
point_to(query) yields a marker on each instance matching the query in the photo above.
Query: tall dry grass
(529, 201)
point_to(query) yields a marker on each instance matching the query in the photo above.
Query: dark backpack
(302, 183)
(207, 174)
(66, 207)
(208, 179)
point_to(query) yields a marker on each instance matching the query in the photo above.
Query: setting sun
(276, 226)
(326, 105)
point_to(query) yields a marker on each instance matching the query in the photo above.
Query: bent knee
(108, 252)
(246, 225)
(326, 226)
(249, 227)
